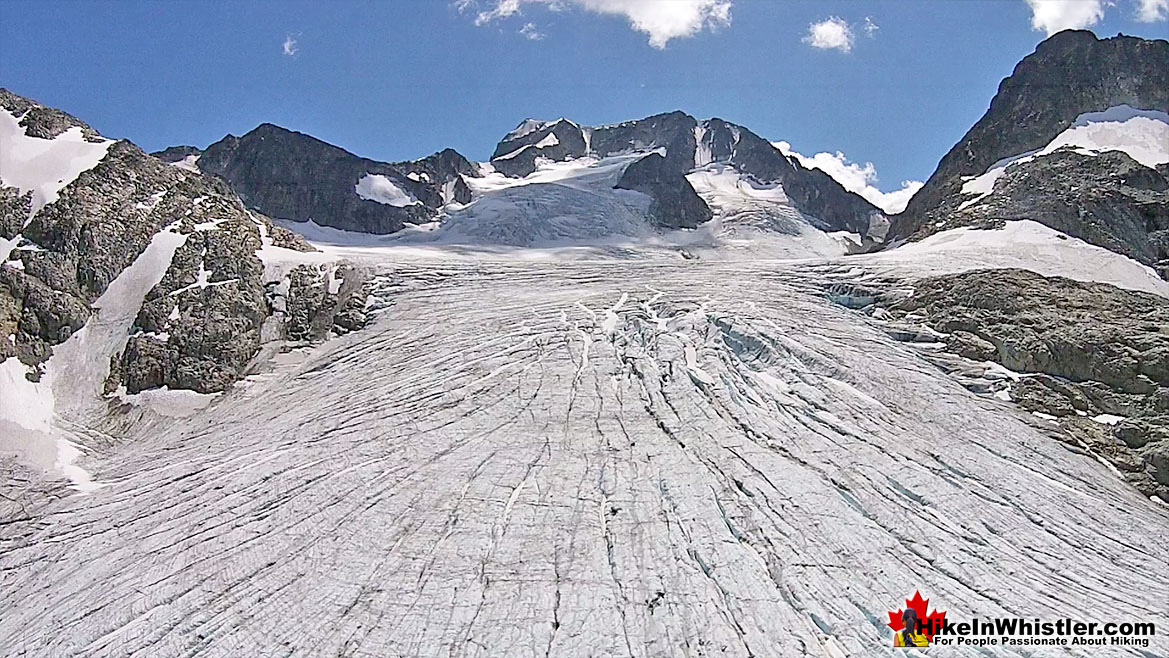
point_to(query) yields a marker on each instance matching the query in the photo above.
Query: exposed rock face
(812, 191)
(675, 132)
(41, 121)
(1108, 200)
(1069, 74)
(201, 324)
(293, 176)
(1086, 349)
(675, 203)
(173, 154)
(684, 144)
(560, 140)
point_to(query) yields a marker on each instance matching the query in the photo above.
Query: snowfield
(1024, 244)
(609, 458)
(1142, 134)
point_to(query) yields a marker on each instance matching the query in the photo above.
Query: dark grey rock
(675, 203)
(173, 154)
(1069, 74)
(289, 175)
(42, 121)
(310, 312)
(1085, 348)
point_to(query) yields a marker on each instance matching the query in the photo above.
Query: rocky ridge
(1106, 199)
(229, 274)
(293, 176)
(1089, 361)
(682, 144)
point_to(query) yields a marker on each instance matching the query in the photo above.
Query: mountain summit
(684, 145)
(1075, 139)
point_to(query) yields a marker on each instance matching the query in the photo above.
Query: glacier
(618, 457)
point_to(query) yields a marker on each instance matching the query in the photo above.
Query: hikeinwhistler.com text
(1019, 632)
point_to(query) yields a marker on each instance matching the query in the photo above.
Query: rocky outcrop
(1093, 359)
(684, 144)
(1107, 199)
(673, 132)
(173, 154)
(42, 121)
(675, 203)
(203, 322)
(813, 192)
(289, 175)
(559, 140)
(1069, 74)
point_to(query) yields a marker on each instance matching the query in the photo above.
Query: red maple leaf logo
(931, 623)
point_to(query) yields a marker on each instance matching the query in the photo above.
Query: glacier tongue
(617, 458)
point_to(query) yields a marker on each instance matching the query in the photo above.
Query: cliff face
(1069, 75)
(293, 176)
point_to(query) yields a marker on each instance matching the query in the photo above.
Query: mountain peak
(1069, 74)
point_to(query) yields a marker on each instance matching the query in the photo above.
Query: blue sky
(399, 79)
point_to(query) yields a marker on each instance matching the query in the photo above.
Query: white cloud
(1151, 11)
(290, 48)
(831, 33)
(662, 20)
(870, 27)
(530, 31)
(857, 178)
(1052, 16)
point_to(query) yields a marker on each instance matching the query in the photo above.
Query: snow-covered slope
(573, 204)
(619, 458)
(1142, 134)
(1020, 244)
(560, 204)
(44, 166)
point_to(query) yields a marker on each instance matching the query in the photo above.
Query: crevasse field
(612, 458)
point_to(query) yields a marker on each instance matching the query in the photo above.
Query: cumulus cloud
(1151, 11)
(857, 178)
(289, 48)
(1052, 16)
(831, 33)
(661, 20)
(531, 32)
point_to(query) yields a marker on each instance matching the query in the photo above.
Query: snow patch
(44, 166)
(1021, 244)
(166, 402)
(376, 187)
(1108, 419)
(1142, 134)
(512, 154)
(189, 163)
(702, 154)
